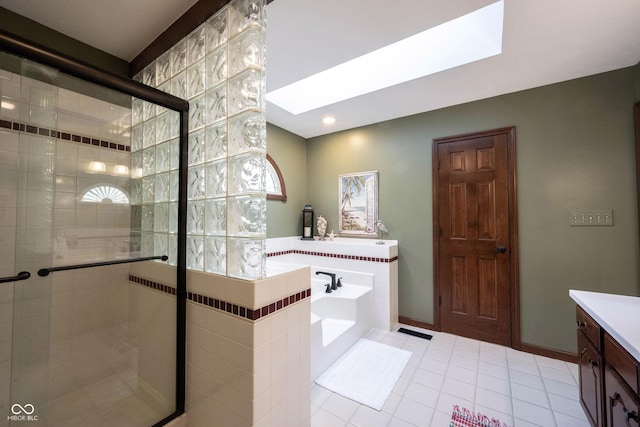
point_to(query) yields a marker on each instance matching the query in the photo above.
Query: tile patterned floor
(520, 389)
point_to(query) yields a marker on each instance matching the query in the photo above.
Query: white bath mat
(366, 373)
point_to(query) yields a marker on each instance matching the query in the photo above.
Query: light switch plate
(601, 217)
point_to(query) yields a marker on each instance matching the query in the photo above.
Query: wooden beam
(184, 25)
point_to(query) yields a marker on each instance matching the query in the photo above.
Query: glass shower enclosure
(91, 275)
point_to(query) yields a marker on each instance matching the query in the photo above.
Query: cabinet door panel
(589, 326)
(622, 405)
(590, 366)
(622, 362)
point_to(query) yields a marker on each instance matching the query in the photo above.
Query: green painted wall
(30, 30)
(400, 150)
(290, 153)
(575, 149)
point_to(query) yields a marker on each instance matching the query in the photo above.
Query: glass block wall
(220, 69)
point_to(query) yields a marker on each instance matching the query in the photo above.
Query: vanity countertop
(619, 315)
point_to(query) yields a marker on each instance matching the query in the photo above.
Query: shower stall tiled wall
(88, 346)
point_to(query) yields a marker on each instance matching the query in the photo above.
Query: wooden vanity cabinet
(622, 404)
(590, 328)
(609, 377)
(591, 368)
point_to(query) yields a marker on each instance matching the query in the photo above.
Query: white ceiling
(544, 42)
(122, 28)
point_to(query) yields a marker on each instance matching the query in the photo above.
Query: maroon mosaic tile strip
(244, 312)
(22, 127)
(153, 285)
(228, 307)
(324, 254)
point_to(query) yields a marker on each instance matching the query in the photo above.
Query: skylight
(466, 39)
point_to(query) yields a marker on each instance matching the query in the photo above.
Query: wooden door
(473, 187)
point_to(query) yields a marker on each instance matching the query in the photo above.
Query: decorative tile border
(153, 285)
(228, 307)
(22, 127)
(248, 313)
(325, 254)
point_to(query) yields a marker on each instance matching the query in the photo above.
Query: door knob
(501, 249)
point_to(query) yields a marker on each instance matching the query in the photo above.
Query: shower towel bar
(45, 271)
(23, 275)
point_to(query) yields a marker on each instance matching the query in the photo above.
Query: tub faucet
(333, 279)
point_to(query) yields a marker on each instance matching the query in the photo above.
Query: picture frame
(358, 204)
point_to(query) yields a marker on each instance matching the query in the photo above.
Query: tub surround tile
(257, 366)
(254, 294)
(332, 255)
(344, 255)
(341, 247)
(249, 313)
(246, 339)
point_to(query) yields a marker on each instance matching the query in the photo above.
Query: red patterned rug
(466, 418)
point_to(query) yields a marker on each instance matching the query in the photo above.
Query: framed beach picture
(358, 203)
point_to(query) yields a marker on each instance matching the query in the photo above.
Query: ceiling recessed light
(469, 38)
(329, 120)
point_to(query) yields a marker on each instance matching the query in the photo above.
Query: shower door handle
(23, 275)
(44, 272)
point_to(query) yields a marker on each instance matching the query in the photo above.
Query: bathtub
(353, 254)
(339, 318)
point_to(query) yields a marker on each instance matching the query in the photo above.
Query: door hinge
(439, 300)
(438, 164)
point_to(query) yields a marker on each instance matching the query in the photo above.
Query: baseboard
(416, 323)
(549, 352)
(529, 348)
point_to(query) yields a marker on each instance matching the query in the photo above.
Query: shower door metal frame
(26, 49)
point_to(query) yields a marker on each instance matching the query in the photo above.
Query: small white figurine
(381, 229)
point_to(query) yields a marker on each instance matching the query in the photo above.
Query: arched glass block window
(105, 193)
(276, 189)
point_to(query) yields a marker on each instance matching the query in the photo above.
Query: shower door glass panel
(93, 345)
